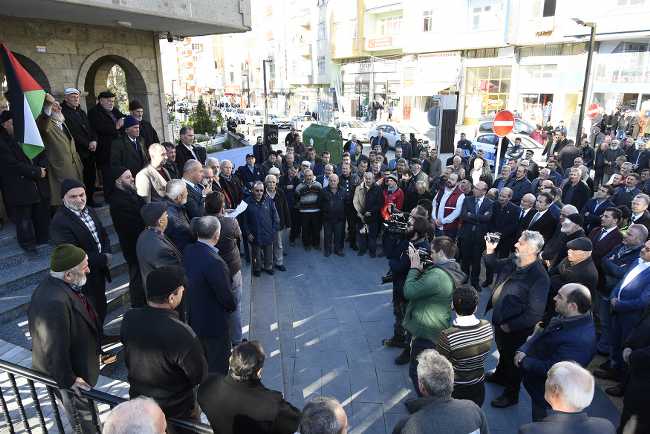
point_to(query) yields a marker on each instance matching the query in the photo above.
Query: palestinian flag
(26, 98)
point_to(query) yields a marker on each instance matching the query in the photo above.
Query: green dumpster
(324, 138)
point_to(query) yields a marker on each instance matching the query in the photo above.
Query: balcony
(180, 17)
(383, 42)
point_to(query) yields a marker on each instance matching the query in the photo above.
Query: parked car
(521, 127)
(282, 121)
(255, 117)
(393, 131)
(347, 128)
(488, 143)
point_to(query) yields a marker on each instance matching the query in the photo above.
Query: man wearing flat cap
(25, 187)
(85, 139)
(569, 336)
(65, 331)
(129, 150)
(63, 160)
(106, 120)
(147, 131)
(75, 223)
(163, 356)
(125, 205)
(577, 267)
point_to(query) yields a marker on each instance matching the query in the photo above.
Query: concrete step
(16, 304)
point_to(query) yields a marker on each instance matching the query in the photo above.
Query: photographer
(518, 302)
(428, 291)
(399, 261)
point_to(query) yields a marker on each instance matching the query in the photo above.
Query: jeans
(604, 313)
(262, 251)
(418, 345)
(278, 247)
(333, 233)
(234, 318)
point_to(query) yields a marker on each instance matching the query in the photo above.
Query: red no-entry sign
(504, 122)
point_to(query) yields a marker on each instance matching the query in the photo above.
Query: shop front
(370, 88)
(487, 91)
(621, 80)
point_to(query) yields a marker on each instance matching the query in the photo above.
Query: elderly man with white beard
(63, 160)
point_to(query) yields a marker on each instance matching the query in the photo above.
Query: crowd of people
(562, 246)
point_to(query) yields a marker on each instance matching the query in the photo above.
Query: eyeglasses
(258, 191)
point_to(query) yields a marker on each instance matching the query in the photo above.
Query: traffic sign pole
(498, 158)
(502, 125)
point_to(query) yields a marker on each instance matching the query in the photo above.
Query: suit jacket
(577, 195)
(235, 407)
(21, 177)
(125, 208)
(524, 221)
(635, 296)
(63, 160)
(602, 247)
(505, 220)
(195, 205)
(643, 220)
(155, 250)
(545, 225)
(473, 224)
(178, 226)
(66, 227)
(519, 189)
(248, 177)
(65, 334)
(103, 124)
(637, 386)
(77, 122)
(592, 211)
(150, 184)
(569, 423)
(209, 290)
(623, 197)
(183, 154)
(124, 153)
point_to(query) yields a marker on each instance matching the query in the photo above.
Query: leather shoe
(270, 272)
(617, 390)
(492, 377)
(281, 267)
(504, 401)
(257, 273)
(395, 343)
(339, 253)
(607, 374)
(404, 357)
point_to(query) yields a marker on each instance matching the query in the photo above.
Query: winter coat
(261, 220)
(333, 205)
(21, 177)
(103, 124)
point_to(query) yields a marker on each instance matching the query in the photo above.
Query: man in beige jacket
(150, 182)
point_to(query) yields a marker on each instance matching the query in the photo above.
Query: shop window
(428, 21)
(549, 8)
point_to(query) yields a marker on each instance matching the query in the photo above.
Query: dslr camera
(493, 237)
(398, 221)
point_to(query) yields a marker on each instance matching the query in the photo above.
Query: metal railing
(29, 400)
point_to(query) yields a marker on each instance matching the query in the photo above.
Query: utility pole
(266, 99)
(585, 86)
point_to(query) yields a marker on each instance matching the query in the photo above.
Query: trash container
(324, 138)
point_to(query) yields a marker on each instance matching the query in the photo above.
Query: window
(427, 21)
(484, 14)
(321, 64)
(549, 8)
(389, 26)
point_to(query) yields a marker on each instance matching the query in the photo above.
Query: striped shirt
(467, 347)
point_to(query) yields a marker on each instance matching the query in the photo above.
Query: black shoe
(616, 391)
(327, 254)
(607, 374)
(339, 253)
(29, 248)
(354, 247)
(491, 377)
(395, 343)
(269, 272)
(404, 357)
(504, 401)
(257, 273)
(360, 253)
(372, 255)
(281, 267)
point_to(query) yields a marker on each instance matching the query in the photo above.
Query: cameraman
(399, 262)
(428, 291)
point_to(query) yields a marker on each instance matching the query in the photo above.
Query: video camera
(425, 258)
(398, 221)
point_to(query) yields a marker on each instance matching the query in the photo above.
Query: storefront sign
(382, 43)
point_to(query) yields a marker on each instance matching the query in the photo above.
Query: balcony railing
(34, 396)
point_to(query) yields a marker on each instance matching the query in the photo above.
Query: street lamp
(585, 85)
(266, 101)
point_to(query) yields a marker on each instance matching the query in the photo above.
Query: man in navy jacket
(571, 335)
(596, 206)
(261, 221)
(209, 290)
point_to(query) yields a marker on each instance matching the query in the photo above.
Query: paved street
(321, 324)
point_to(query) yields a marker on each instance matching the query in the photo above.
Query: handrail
(93, 395)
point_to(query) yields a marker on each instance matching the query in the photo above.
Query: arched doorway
(31, 67)
(120, 76)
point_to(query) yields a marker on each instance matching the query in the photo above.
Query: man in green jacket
(429, 292)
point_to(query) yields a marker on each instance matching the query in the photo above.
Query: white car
(254, 117)
(283, 122)
(488, 142)
(393, 131)
(347, 128)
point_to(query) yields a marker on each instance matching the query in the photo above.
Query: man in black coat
(25, 188)
(238, 403)
(85, 139)
(505, 220)
(128, 150)
(380, 140)
(125, 205)
(187, 151)
(543, 221)
(106, 121)
(75, 223)
(249, 173)
(65, 332)
(575, 192)
(475, 216)
(334, 217)
(210, 296)
(147, 131)
(163, 356)
(518, 302)
(196, 191)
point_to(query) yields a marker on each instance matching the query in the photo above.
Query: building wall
(68, 54)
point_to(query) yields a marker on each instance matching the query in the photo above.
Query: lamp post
(585, 86)
(266, 100)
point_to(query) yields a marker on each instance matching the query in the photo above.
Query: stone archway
(31, 67)
(94, 73)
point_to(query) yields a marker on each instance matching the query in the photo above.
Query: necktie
(521, 214)
(136, 146)
(535, 218)
(478, 206)
(603, 231)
